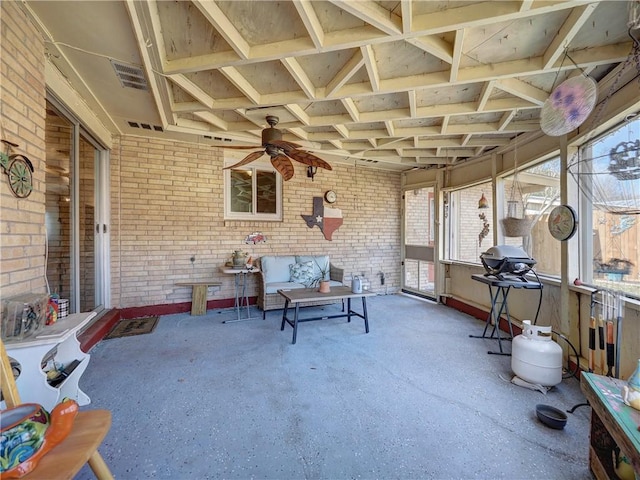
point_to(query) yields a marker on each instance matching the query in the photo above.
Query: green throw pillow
(302, 273)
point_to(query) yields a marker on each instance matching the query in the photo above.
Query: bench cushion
(276, 268)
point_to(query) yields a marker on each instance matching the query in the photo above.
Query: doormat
(133, 326)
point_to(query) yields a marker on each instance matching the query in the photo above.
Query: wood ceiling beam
(372, 13)
(487, 88)
(212, 119)
(523, 90)
(457, 54)
(216, 17)
(300, 76)
(241, 83)
(570, 28)
(345, 73)
(310, 19)
(298, 112)
(372, 69)
(505, 120)
(351, 108)
(406, 10)
(423, 25)
(433, 45)
(192, 89)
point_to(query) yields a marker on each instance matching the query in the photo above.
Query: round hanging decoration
(568, 106)
(563, 222)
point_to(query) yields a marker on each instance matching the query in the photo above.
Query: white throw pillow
(302, 273)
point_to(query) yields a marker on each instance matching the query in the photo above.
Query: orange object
(61, 423)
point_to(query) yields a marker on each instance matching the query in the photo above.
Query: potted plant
(322, 279)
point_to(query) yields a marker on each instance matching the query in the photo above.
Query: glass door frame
(433, 256)
(101, 228)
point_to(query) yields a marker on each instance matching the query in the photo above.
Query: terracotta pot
(324, 287)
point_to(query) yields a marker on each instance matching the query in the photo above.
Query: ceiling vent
(130, 76)
(145, 126)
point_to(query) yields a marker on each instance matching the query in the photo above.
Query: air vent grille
(130, 76)
(145, 126)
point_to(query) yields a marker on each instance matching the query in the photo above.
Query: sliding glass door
(75, 213)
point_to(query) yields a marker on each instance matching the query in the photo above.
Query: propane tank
(535, 357)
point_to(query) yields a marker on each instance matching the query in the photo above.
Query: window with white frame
(470, 222)
(253, 193)
(530, 195)
(608, 174)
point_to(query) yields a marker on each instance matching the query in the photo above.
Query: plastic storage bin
(23, 315)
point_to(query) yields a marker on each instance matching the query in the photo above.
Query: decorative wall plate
(563, 222)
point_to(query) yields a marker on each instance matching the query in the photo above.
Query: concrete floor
(415, 398)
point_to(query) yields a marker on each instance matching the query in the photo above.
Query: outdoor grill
(507, 260)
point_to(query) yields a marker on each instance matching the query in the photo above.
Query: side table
(241, 297)
(612, 423)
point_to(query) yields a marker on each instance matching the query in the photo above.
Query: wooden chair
(78, 448)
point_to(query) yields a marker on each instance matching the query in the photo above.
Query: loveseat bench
(290, 272)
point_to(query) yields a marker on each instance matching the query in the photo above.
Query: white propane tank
(535, 357)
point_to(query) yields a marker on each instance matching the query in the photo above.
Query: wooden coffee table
(300, 296)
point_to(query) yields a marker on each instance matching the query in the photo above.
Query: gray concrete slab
(415, 398)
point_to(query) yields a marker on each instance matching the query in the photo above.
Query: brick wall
(167, 206)
(22, 119)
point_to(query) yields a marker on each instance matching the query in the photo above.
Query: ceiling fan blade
(248, 159)
(283, 165)
(308, 159)
(284, 145)
(241, 147)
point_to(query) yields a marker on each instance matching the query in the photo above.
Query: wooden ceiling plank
(372, 13)
(351, 108)
(505, 120)
(413, 103)
(212, 119)
(484, 13)
(523, 90)
(487, 88)
(445, 123)
(342, 130)
(372, 68)
(310, 19)
(192, 89)
(406, 10)
(300, 76)
(570, 28)
(299, 132)
(457, 55)
(526, 5)
(241, 84)
(433, 45)
(384, 115)
(298, 112)
(216, 17)
(390, 129)
(465, 140)
(346, 72)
